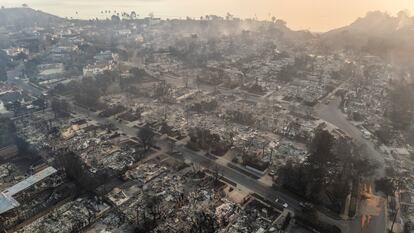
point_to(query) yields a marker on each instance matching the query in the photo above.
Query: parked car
(281, 202)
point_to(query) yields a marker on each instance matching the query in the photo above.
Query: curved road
(332, 114)
(329, 113)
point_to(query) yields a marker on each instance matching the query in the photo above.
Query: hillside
(22, 17)
(378, 33)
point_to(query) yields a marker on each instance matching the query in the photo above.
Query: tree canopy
(327, 174)
(146, 135)
(7, 132)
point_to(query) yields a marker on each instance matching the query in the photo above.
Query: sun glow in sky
(316, 15)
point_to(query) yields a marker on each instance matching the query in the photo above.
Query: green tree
(76, 169)
(7, 132)
(386, 186)
(138, 73)
(133, 15)
(103, 81)
(115, 18)
(287, 73)
(3, 73)
(203, 222)
(146, 135)
(41, 103)
(21, 56)
(332, 166)
(4, 62)
(401, 109)
(320, 149)
(60, 108)
(88, 93)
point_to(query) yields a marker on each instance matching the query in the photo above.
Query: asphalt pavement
(231, 174)
(332, 114)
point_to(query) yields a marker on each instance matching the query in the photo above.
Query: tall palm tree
(133, 15)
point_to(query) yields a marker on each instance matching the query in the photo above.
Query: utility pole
(263, 148)
(198, 82)
(271, 157)
(165, 113)
(362, 227)
(186, 82)
(393, 221)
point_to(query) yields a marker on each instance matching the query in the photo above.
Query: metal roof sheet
(7, 202)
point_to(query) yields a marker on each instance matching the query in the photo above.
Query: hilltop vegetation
(378, 33)
(24, 17)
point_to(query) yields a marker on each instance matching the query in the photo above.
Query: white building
(95, 69)
(50, 71)
(12, 52)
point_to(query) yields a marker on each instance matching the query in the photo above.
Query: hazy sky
(317, 15)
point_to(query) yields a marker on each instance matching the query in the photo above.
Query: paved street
(233, 175)
(332, 114)
(14, 77)
(329, 113)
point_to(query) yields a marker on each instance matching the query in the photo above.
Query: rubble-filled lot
(43, 196)
(181, 193)
(98, 146)
(183, 197)
(70, 217)
(243, 95)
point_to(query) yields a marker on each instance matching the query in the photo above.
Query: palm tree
(229, 16)
(133, 15)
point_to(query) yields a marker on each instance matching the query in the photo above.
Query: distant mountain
(374, 22)
(22, 17)
(379, 34)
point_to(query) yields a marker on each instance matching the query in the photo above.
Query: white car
(284, 204)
